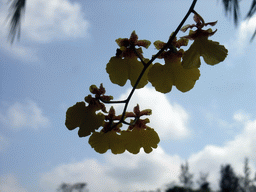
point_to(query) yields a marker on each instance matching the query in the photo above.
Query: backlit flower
(163, 77)
(211, 51)
(83, 117)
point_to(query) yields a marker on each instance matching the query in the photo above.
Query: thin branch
(159, 53)
(113, 102)
(175, 32)
(146, 65)
(138, 55)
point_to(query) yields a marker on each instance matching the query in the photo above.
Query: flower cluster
(180, 69)
(138, 135)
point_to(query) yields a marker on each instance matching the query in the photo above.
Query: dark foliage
(205, 187)
(80, 187)
(251, 13)
(252, 9)
(229, 181)
(203, 183)
(17, 10)
(185, 176)
(176, 189)
(232, 6)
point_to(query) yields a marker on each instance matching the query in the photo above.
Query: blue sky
(64, 48)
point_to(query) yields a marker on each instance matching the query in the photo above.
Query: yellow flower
(140, 135)
(122, 69)
(163, 77)
(138, 138)
(101, 142)
(83, 117)
(109, 137)
(95, 102)
(125, 65)
(212, 52)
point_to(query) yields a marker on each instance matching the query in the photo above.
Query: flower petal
(149, 139)
(116, 143)
(191, 57)
(74, 115)
(213, 52)
(90, 123)
(131, 141)
(185, 79)
(161, 78)
(120, 70)
(99, 142)
(117, 70)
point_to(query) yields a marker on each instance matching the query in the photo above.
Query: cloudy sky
(64, 48)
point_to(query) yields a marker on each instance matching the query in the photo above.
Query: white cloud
(128, 172)
(232, 152)
(10, 183)
(20, 115)
(240, 43)
(56, 19)
(18, 51)
(124, 172)
(170, 120)
(15, 50)
(241, 116)
(247, 29)
(44, 21)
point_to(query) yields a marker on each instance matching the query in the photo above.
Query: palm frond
(16, 11)
(250, 13)
(232, 6)
(252, 10)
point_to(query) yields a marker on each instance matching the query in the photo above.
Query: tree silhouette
(176, 189)
(244, 181)
(185, 176)
(229, 181)
(203, 183)
(246, 184)
(80, 187)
